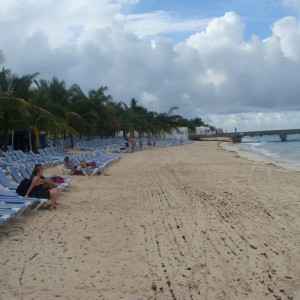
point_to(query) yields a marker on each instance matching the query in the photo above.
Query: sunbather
(76, 169)
(87, 165)
(41, 188)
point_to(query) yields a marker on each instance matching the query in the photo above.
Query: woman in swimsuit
(41, 188)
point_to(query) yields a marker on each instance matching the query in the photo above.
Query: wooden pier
(237, 137)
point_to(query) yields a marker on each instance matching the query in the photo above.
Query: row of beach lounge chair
(100, 158)
(15, 165)
(117, 144)
(11, 203)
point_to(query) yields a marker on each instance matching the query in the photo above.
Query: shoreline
(185, 222)
(257, 157)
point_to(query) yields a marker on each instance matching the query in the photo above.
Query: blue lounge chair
(5, 182)
(14, 173)
(9, 158)
(28, 202)
(12, 196)
(19, 208)
(24, 171)
(6, 215)
(39, 159)
(9, 210)
(86, 172)
(23, 158)
(44, 155)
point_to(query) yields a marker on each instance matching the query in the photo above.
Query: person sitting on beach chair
(41, 188)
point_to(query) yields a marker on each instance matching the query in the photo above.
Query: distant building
(202, 130)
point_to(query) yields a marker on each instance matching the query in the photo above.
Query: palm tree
(12, 104)
(135, 118)
(35, 119)
(193, 123)
(53, 97)
(101, 104)
(34, 113)
(96, 108)
(10, 108)
(56, 110)
(83, 105)
(127, 118)
(171, 110)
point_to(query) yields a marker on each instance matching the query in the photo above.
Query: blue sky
(258, 15)
(232, 63)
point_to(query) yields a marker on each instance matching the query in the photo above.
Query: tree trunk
(72, 140)
(36, 143)
(5, 132)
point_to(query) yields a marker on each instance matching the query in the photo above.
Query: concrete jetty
(237, 137)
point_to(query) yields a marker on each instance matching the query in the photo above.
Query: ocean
(273, 149)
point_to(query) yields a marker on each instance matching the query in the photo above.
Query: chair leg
(95, 171)
(42, 202)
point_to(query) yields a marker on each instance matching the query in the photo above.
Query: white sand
(186, 222)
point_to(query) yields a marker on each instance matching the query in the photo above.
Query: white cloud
(149, 100)
(226, 31)
(214, 73)
(288, 32)
(160, 22)
(292, 3)
(58, 20)
(254, 121)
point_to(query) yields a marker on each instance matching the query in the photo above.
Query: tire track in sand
(187, 219)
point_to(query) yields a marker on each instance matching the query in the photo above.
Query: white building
(202, 130)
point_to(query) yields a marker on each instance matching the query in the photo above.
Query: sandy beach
(186, 222)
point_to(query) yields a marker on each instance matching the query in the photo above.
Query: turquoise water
(272, 148)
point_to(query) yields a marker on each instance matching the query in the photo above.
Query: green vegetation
(40, 105)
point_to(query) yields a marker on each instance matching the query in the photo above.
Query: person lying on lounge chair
(87, 165)
(76, 169)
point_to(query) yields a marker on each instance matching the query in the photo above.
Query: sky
(232, 63)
